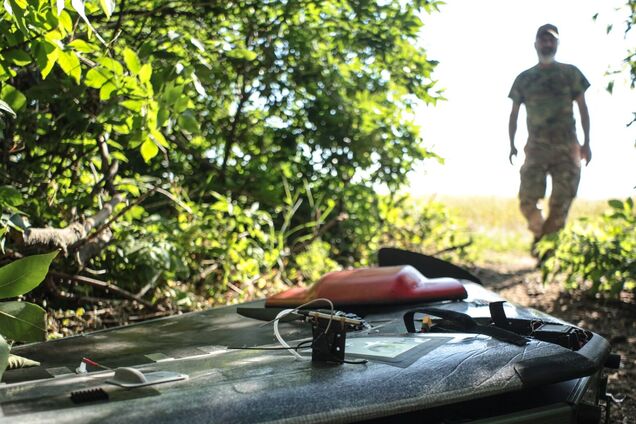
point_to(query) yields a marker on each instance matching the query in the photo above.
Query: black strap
(466, 323)
(498, 314)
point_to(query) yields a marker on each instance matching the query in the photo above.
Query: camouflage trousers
(563, 164)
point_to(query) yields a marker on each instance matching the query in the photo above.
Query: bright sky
(482, 46)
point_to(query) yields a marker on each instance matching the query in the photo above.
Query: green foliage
(315, 262)
(429, 227)
(304, 86)
(23, 275)
(236, 242)
(250, 139)
(598, 254)
(10, 215)
(630, 22)
(4, 355)
(21, 321)
(630, 60)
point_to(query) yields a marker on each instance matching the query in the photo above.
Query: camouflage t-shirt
(548, 94)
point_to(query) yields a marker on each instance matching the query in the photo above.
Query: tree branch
(343, 216)
(64, 237)
(93, 247)
(102, 285)
(109, 168)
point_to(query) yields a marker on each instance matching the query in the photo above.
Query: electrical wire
(300, 346)
(285, 312)
(294, 350)
(280, 338)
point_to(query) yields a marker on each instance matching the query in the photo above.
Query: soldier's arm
(512, 129)
(586, 152)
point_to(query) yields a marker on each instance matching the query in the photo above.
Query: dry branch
(64, 237)
(456, 247)
(103, 285)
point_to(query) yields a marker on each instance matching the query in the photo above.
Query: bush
(427, 227)
(595, 253)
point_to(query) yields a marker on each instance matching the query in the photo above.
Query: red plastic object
(373, 286)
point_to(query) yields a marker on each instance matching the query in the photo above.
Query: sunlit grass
(496, 226)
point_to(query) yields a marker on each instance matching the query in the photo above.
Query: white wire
(285, 312)
(280, 339)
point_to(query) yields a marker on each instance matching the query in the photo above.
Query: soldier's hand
(513, 153)
(586, 153)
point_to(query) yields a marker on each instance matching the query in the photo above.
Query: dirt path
(520, 282)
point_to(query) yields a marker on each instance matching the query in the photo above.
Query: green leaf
(22, 321)
(10, 196)
(188, 122)
(242, 54)
(70, 64)
(162, 116)
(171, 93)
(616, 204)
(82, 46)
(130, 188)
(145, 73)
(4, 355)
(64, 19)
(149, 150)
(132, 61)
(4, 107)
(46, 55)
(51, 18)
(18, 57)
(181, 104)
(22, 4)
(136, 212)
(96, 78)
(112, 65)
(14, 98)
(108, 6)
(158, 138)
(17, 222)
(119, 156)
(17, 11)
(106, 91)
(134, 105)
(24, 275)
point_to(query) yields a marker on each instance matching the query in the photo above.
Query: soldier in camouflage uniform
(548, 91)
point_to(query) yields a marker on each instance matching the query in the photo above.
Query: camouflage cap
(548, 29)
